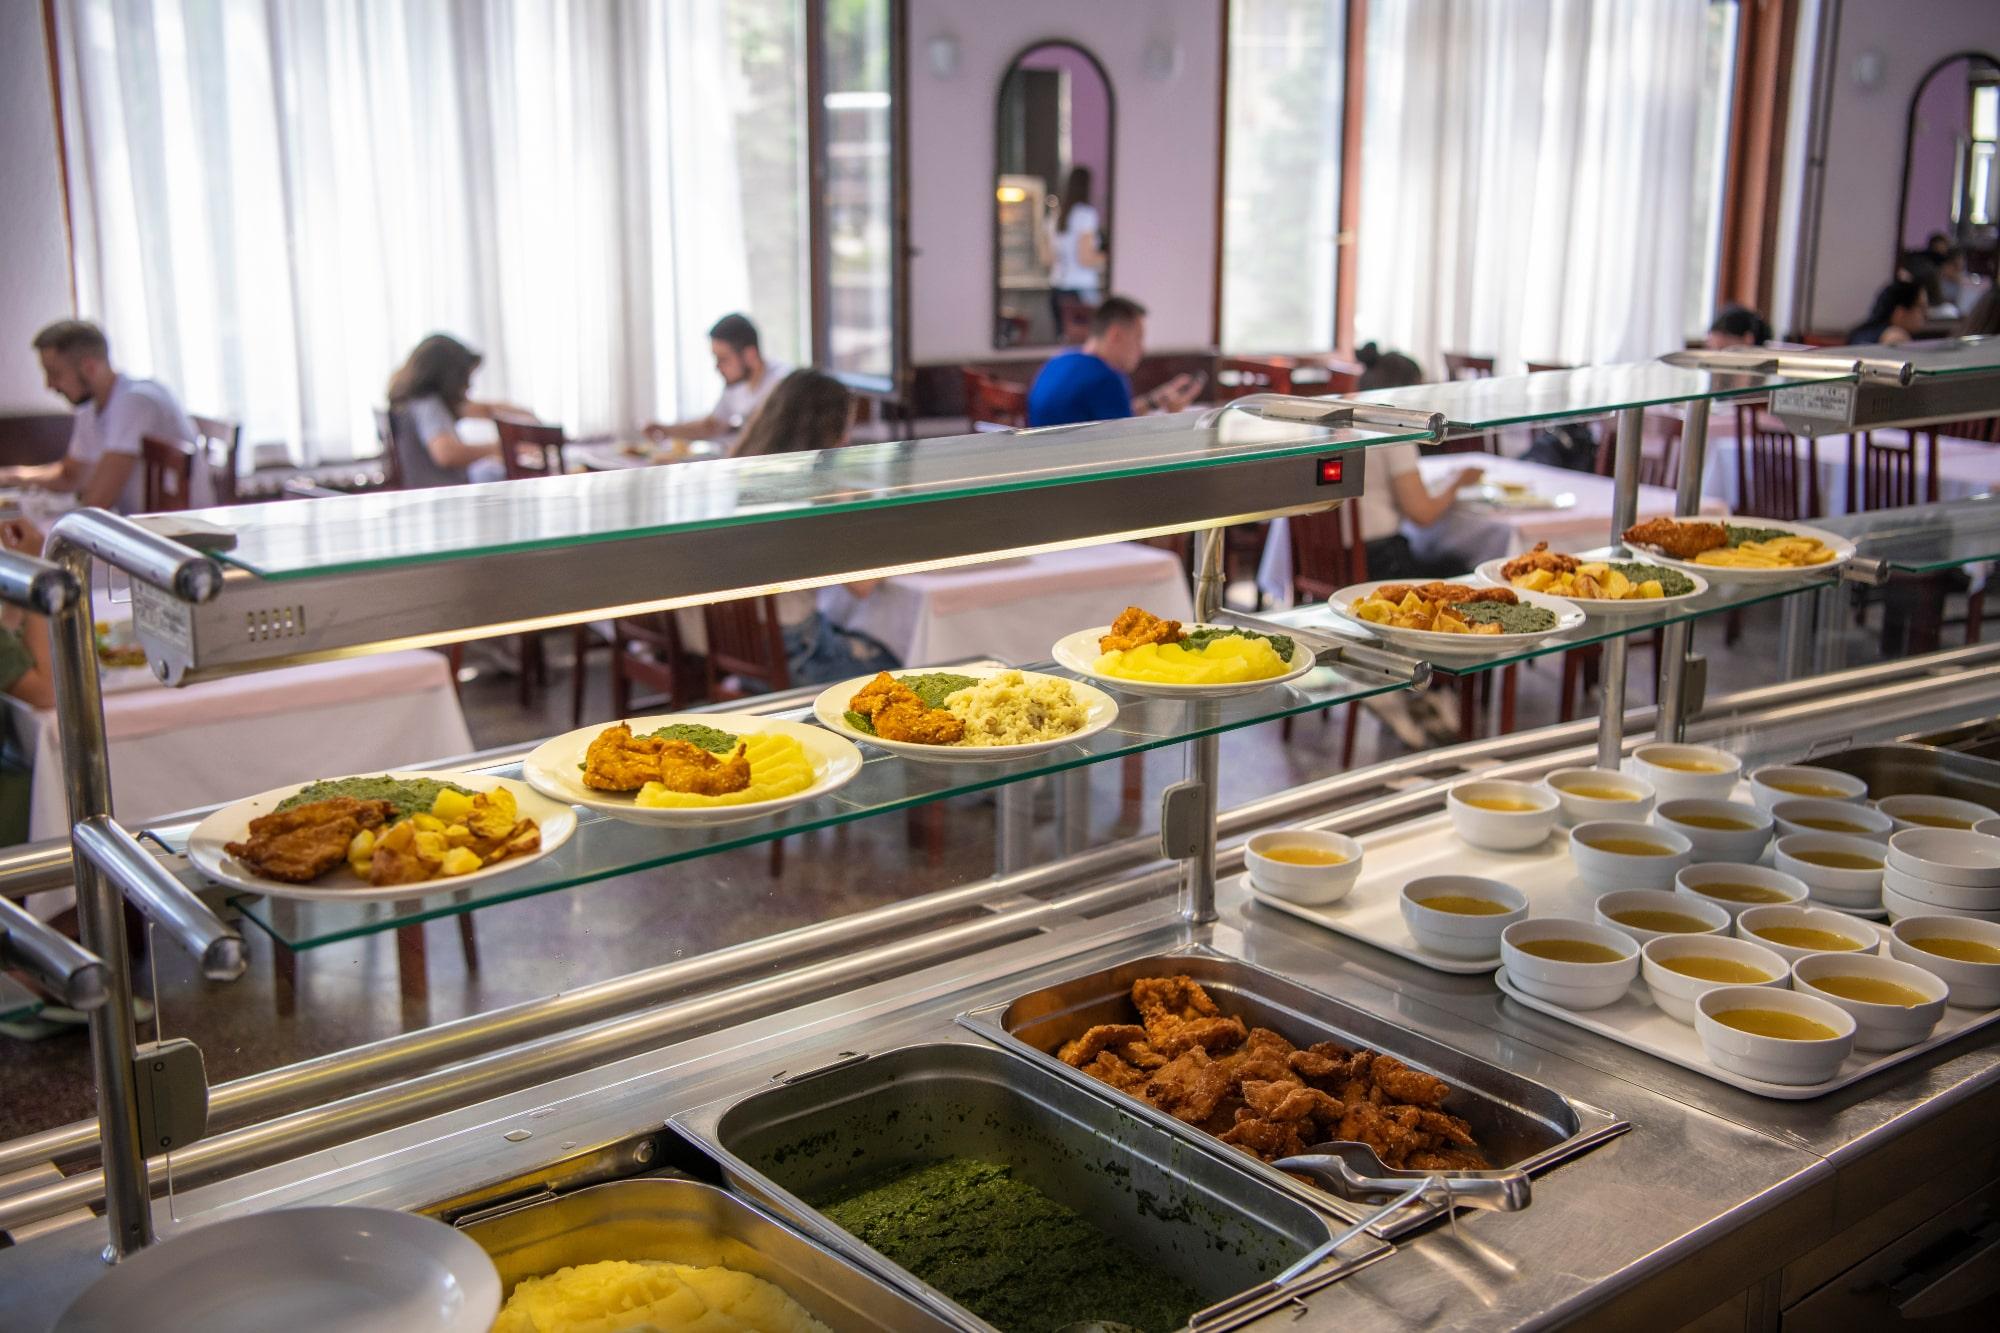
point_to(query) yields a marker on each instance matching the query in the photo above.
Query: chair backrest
(530, 449)
(1240, 376)
(745, 638)
(168, 469)
(1465, 366)
(1888, 473)
(219, 441)
(1657, 467)
(385, 435)
(1771, 480)
(1327, 552)
(993, 401)
(1537, 367)
(1074, 314)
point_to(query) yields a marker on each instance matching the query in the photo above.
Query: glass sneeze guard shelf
(1924, 539)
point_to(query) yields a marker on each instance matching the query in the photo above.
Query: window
(1711, 159)
(1281, 187)
(1979, 201)
(859, 192)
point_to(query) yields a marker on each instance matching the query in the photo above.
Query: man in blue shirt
(1093, 382)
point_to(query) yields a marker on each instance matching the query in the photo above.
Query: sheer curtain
(1525, 177)
(274, 199)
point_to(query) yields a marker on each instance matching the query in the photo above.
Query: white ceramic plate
(1100, 710)
(1842, 548)
(1078, 652)
(1515, 498)
(555, 769)
(232, 824)
(330, 1270)
(1602, 606)
(1433, 644)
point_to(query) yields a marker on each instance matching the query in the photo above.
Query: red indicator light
(1329, 471)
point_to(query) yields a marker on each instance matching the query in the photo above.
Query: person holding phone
(1094, 382)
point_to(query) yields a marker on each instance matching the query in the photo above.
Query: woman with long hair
(1897, 316)
(428, 395)
(810, 411)
(1076, 267)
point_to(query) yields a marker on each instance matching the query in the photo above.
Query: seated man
(746, 378)
(1093, 382)
(114, 413)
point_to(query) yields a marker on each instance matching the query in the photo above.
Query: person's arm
(107, 480)
(1423, 506)
(56, 476)
(1173, 396)
(498, 412)
(1893, 335)
(36, 686)
(1088, 253)
(708, 427)
(434, 425)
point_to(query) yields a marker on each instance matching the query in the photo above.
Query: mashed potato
(676, 1298)
(1225, 661)
(779, 766)
(1009, 709)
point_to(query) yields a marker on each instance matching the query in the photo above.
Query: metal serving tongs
(1353, 1171)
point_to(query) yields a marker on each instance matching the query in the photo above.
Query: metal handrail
(58, 962)
(163, 899)
(1351, 413)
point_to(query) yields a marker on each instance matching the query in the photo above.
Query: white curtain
(275, 199)
(1525, 177)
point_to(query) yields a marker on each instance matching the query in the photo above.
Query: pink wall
(1163, 223)
(1089, 114)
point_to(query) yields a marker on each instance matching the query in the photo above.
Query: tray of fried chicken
(1213, 1045)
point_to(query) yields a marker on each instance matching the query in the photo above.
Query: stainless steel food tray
(1907, 769)
(687, 1222)
(1186, 1206)
(1518, 1122)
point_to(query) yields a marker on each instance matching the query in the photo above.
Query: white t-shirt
(739, 400)
(136, 408)
(1379, 516)
(1067, 274)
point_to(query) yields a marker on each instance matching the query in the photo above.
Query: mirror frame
(1107, 210)
(1910, 137)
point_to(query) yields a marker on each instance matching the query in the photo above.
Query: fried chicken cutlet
(1555, 562)
(1135, 627)
(303, 843)
(1447, 593)
(899, 715)
(619, 761)
(1678, 538)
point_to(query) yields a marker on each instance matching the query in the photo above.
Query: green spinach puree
(1281, 644)
(933, 687)
(1009, 1253)
(410, 796)
(1672, 582)
(1738, 535)
(1512, 619)
(712, 739)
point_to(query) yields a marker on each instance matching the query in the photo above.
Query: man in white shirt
(746, 378)
(114, 413)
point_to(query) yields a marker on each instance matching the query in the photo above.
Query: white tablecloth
(1965, 468)
(1012, 610)
(1475, 533)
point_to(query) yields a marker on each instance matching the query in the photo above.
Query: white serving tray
(1637, 1022)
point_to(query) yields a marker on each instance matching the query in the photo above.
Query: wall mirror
(1951, 180)
(1052, 181)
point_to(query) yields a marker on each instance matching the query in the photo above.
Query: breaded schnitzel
(1135, 627)
(897, 714)
(1679, 538)
(619, 761)
(303, 843)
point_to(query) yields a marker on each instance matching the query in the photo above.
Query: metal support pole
(100, 912)
(1679, 636)
(1204, 753)
(1624, 510)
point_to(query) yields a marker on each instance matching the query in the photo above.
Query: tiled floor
(350, 993)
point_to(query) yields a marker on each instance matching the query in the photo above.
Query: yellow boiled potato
(452, 807)
(1225, 661)
(779, 766)
(460, 861)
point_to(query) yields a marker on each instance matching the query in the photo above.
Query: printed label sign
(1822, 402)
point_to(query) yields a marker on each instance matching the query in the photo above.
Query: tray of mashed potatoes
(1141, 653)
(681, 1257)
(692, 769)
(974, 714)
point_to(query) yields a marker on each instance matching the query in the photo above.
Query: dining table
(617, 455)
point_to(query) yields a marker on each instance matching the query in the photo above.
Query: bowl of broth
(1893, 1004)
(1649, 914)
(1598, 793)
(1933, 812)
(1719, 830)
(1461, 916)
(1576, 964)
(1841, 871)
(1502, 816)
(1737, 888)
(1680, 969)
(1776, 1036)
(1949, 856)
(1627, 854)
(1792, 932)
(1687, 772)
(1309, 866)
(1904, 894)
(1963, 954)
(1804, 815)
(1788, 782)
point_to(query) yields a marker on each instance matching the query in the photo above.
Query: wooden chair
(1328, 555)
(219, 442)
(1774, 477)
(1913, 605)
(1657, 467)
(385, 435)
(168, 469)
(1465, 366)
(1537, 367)
(1240, 376)
(646, 650)
(530, 449)
(1888, 473)
(745, 642)
(994, 402)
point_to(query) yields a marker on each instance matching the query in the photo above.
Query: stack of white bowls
(1942, 872)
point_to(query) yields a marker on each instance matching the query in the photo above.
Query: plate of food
(378, 836)
(1600, 587)
(976, 714)
(688, 769)
(1515, 495)
(1758, 550)
(1454, 619)
(1142, 654)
